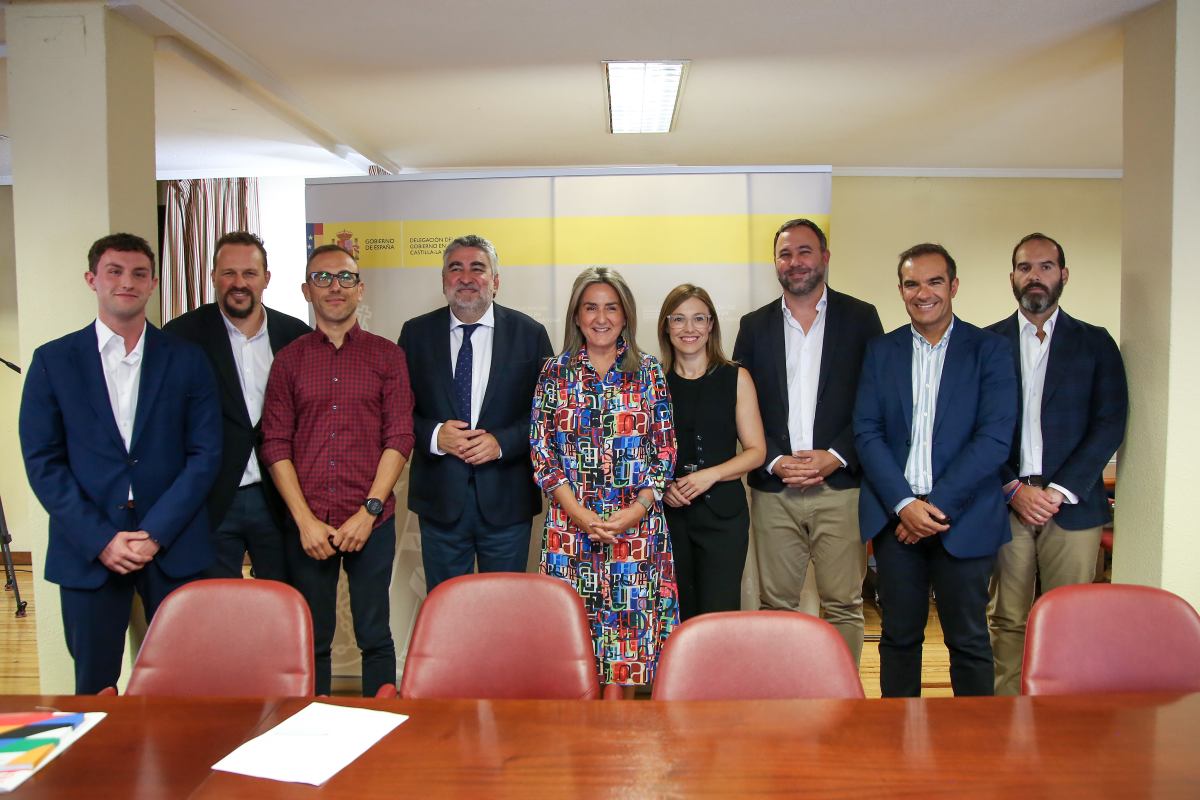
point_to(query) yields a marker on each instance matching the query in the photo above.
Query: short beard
(1038, 305)
(474, 308)
(238, 313)
(805, 287)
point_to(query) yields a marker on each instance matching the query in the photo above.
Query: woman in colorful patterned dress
(603, 448)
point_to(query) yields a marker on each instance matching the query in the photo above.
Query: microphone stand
(10, 574)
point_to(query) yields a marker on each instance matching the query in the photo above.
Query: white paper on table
(312, 745)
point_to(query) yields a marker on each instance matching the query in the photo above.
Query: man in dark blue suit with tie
(933, 424)
(121, 434)
(1073, 407)
(473, 367)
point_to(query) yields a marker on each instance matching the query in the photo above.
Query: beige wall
(978, 220)
(13, 488)
(1156, 514)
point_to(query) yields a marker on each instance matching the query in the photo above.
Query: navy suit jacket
(81, 471)
(972, 433)
(849, 325)
(505, 488)
(205, 327)
(1084, 404)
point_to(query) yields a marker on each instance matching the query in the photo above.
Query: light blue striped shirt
(927, 362)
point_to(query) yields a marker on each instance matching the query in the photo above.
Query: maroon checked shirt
(332, 412)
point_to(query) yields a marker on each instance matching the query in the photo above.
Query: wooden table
(1121, 745)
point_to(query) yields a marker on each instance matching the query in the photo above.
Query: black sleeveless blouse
(705, 422)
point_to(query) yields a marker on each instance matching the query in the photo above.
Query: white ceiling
(285, 87)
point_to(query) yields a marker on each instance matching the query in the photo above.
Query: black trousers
(249, 527)
(710, 552)
(370, 575)
(906, 573)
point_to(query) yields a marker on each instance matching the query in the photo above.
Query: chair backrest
(501, 635)
(228, 638)
(755, 655)
(1095, 638)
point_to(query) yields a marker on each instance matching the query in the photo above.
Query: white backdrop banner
(659, 227)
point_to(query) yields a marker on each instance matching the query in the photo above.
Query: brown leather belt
(1033, 480)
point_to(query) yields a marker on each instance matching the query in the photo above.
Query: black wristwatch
(374, 506)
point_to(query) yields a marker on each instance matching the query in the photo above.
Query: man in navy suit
(933, 423)
(805, 353)
(1073, 406)
(241, 336)
(120, 431)
(473, 367)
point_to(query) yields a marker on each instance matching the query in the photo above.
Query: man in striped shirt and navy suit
(933, 423)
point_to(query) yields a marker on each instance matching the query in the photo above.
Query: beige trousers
(1062, 558)
(796, 526)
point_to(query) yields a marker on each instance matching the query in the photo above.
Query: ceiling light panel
(643, 96)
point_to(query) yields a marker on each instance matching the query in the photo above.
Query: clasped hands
(919, 520)
(805, 468)
(128, 552)
(682, 491)
(1036, 506)
(607, 531)
(321, 540)
(473, 445)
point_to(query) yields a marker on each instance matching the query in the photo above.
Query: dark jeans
(906, 572)
(448, 551)
(709, 553)
(249, 527)
(370, 574)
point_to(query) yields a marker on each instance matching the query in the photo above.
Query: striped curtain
(198, 213)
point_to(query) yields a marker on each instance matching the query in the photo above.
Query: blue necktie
(462, 375)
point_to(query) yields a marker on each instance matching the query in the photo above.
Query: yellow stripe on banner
(419, 243)
(691, 239)
(569, 241)
(518, 240)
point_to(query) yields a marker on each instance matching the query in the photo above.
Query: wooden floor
(18, 639)
(19, 666)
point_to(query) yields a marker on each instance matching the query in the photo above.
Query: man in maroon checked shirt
(337, 430)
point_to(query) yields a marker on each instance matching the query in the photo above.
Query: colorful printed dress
(609, 437)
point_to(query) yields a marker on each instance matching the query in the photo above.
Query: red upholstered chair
(501, 635)
(1098, 637)
(228, 637)
(755, 655)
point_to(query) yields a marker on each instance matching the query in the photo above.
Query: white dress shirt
(253, 357)
(122, 375)
(481, 364)
(802, 358)
(1035, 356)
(927, 363)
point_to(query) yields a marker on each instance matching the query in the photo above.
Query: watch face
(374, 506)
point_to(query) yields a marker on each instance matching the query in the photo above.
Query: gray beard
(475, 308)
(1037, 305)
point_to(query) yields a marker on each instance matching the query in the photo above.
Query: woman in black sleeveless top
(715, 407)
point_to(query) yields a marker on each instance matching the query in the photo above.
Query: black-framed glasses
(699, 321)
(323, 280)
